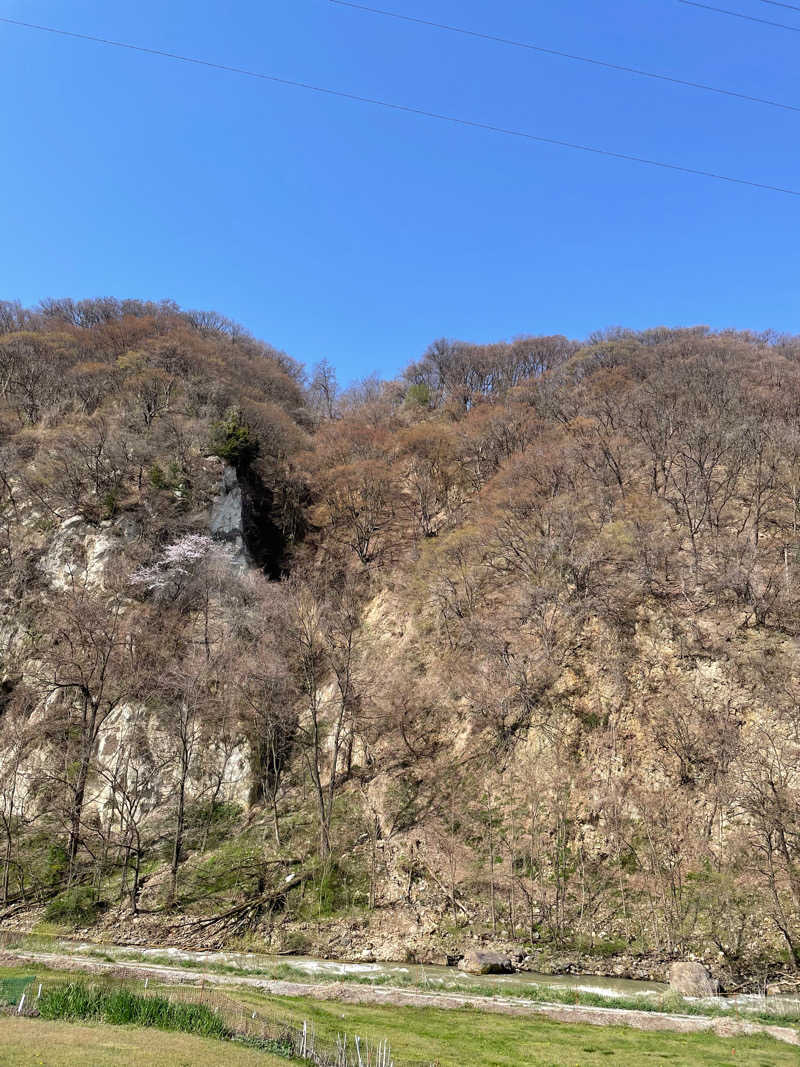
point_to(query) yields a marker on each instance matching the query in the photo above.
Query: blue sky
(340, 230)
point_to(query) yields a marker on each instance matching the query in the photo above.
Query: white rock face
(160, 786)
(77, 551)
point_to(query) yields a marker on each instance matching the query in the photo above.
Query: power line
(777, 3)
(565, 55)
(404, 108)
(739, 15)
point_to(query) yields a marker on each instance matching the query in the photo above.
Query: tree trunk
(491, 867)
(180, 824)
(276, 826)
(136, 871)
(76, 817)
(79, 793)
(7, 864)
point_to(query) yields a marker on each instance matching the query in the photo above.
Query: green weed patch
(77, 1001)
(11, 989)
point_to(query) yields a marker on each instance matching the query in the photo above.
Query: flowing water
(404, 973)
(441, 977)
(299, 968)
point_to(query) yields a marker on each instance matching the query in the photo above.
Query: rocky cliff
(504, 652)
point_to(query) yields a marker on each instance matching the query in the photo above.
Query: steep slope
(505, 649)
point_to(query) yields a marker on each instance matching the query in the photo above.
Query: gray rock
(226, 510)
(226, 522)
(692, 980)
(475, 961)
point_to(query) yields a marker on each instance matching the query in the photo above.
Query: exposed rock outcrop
(80, 550)
(226, 521)
(479, 962)
(692, 980)
(242, 516)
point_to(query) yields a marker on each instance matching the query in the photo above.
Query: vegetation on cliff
(516, 654)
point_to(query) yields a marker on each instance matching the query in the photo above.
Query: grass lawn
(29, 1042)
(476, 1039)
(463, 1038)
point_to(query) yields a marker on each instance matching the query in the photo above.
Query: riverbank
(724, 1025)
(393, 938)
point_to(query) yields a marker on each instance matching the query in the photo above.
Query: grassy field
(457, 1039)
(480, 1039)
(464, 1038)
(29, 1042)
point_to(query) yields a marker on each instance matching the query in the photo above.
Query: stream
(428, 976)
(421, 974)
(254, 965)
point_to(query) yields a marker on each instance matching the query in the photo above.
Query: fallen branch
(244, 915)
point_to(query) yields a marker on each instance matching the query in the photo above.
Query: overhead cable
(740, 15)
(406, 108)
(542, 50)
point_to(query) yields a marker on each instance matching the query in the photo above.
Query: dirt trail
(383, 995)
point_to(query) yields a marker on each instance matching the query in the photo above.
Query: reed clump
(122, 1007)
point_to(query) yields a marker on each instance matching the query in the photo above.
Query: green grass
(538, 994)
(76, 1001)
(482, 1039)
(79, 906)
(12, 987)
(452, 1038)
(37, 1043)
(542, 993)
(117, 1001)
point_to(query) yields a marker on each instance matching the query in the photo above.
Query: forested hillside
(504, 649)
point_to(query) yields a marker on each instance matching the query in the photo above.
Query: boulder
(692, 980)
(478, 962)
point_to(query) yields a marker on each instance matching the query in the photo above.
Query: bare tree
(324, 390)
(86, 665)
(17, 740)
(323, 623)
(268, 696)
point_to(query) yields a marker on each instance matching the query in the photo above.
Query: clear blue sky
(341, 230)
